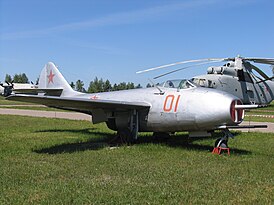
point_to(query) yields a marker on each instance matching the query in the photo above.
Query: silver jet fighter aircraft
(176, 105)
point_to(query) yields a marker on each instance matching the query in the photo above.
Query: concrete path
(48, 114)
(22, 106)
(80, 116)
(270, 127)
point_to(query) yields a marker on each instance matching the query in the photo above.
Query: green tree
(122, 86)
(107, 86)
(93, 85)
(91, 88)
(8, 78)
(20, 78)
(80, 86)
(115, 87)
(97, 85)
(148, 85)
(130, 85)
(100, 86)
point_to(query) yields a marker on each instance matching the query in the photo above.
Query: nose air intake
(237, 115)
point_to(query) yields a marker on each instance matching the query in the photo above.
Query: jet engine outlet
(237, 115)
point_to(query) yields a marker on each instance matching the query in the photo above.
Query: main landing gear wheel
(126, 137)
(221, 142)
(129, 134)
(123, 137)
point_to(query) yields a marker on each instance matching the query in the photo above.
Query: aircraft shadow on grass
(112, 140)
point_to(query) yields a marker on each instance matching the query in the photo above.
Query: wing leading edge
(79, 104)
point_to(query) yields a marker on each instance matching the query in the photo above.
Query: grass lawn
(259, 112)
(8, 102)
(258, 119)
(269, 110)
(53, 161)
(270, 107)
(35, 108)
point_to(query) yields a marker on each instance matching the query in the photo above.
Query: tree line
(96, 85)
(100, 85)
(17, 78)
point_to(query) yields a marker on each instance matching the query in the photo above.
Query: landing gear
(221, 144)
(125, 136)
(130, 134)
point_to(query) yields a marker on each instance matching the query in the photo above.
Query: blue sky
(114, 39)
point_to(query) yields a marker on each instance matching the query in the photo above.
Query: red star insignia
(50, 77)
(94, 97)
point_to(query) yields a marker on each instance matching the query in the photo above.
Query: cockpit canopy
(179, 84)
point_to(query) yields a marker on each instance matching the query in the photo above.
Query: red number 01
(168, 105)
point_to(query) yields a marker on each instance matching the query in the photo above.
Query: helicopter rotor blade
(179, 63)
(174, 71)
(258, 70)
(269, 61)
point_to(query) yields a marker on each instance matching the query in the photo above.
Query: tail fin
(51, 78)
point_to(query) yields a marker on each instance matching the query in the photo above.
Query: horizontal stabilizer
(35, 91)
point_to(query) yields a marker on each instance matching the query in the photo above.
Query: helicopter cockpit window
(244, 76)
(247, 77)
(180, 84)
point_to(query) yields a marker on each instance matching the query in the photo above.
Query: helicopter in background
(238, 77)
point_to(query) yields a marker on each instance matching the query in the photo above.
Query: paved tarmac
(22, 106)
(47, 114)
(270, 127)
(80, 116)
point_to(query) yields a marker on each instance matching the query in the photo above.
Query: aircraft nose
(218, 108)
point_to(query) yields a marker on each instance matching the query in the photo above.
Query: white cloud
(128, 17)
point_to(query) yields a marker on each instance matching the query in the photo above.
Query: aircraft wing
(79, 104)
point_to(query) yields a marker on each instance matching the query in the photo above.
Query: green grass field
(34, 108)
(52, 161)
(269, 110)
(7, 102)
(28, 106)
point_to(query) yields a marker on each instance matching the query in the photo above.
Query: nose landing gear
(221, 144)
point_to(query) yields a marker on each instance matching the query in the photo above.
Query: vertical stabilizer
(51, 78)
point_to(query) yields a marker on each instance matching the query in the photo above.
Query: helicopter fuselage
(238, 82)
